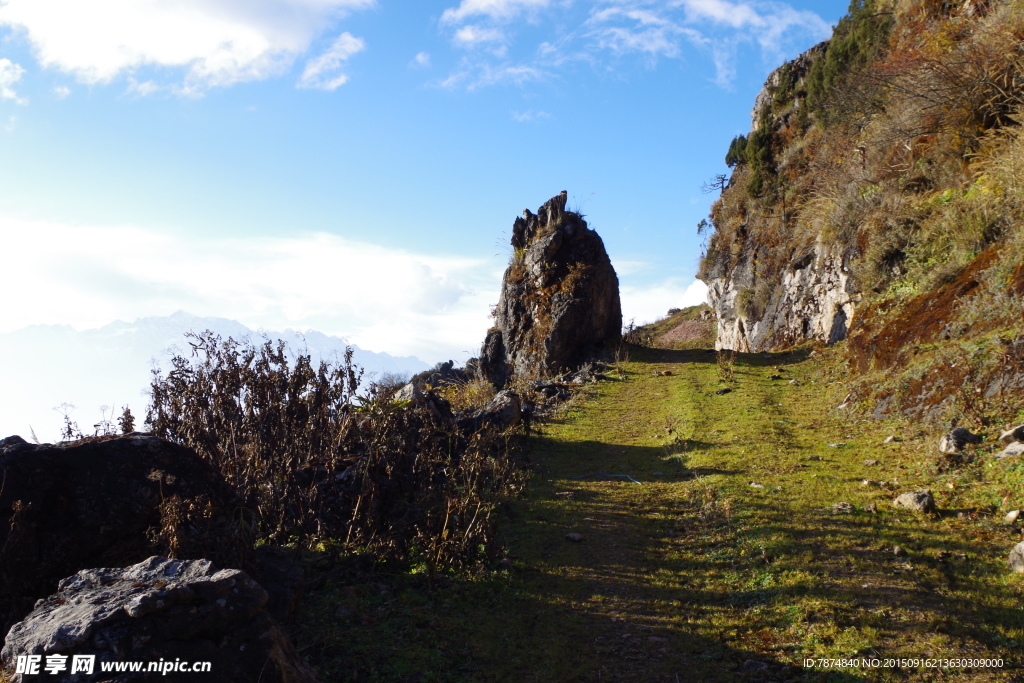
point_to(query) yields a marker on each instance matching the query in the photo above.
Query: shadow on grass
(668, 585)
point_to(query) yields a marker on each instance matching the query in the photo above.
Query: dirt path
(726, 562)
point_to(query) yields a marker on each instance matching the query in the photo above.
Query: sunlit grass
(728, 551)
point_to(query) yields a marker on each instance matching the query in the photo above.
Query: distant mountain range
(45, 366)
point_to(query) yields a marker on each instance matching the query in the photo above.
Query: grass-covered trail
(727, 561)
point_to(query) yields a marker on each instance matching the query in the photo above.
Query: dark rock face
(559, 302)
(93, 503)
(160, 609)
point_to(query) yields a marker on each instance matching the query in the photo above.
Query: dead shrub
(314, 463)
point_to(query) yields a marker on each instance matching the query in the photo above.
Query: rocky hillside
(877, 200)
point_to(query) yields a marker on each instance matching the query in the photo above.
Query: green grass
(693, 572)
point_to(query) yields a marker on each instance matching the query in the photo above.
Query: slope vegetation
(878, 198)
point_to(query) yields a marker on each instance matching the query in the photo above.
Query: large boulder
(559, 303)
(163, 611)
(98, 503)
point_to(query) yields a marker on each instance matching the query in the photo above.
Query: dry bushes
(313, 463)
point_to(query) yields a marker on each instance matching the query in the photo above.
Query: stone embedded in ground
(504, 411)
(1015, 448)
(956, 440)
(1017, 557)
(1012, 516)
(722, 392)
(898, 551)
(919, 501)
(870, 482)
(843, 508)
(162, 609)
(574, 537)
(890, 439)
(559, 303)
(1011, 435)
(870, 463)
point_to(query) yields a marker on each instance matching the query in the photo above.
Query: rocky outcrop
(559, 302)
(169, 612)
(814, 300)
(96, 503)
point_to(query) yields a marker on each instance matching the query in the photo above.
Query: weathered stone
(1015, 448)
(95, 503)
(1011, 435)
(956, 439)
(843, 508)
(1017, 557)
(559, 303)
(1011, 516)
(504, 411)
(161, 610)
(408, 392)
(920, 501)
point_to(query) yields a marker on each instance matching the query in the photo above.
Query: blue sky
(354, 166)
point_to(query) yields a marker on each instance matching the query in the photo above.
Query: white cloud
(324, 72)
(61, 92)
(472, 35)
(482, 74)
(142, 89)
(12, 123)
(382, 299)
(493, 9)
(215, 42)
(10, 73)
(645, 304)
(650, 29)
(422, 59)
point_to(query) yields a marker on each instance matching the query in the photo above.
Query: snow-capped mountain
(48, 365)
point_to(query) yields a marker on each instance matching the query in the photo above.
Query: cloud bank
(216, 42)
(383, 299)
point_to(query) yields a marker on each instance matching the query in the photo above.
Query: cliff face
(879, 198)
(815, 299)
(559, 302)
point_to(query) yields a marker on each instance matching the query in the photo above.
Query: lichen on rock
(559, 303)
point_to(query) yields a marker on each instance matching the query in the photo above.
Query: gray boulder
(160, 610)
(502, 412)
(956, 439)
(559, 304)
(1012, 435)
(1017, 557)
(1015, 448)
(919, 501)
